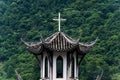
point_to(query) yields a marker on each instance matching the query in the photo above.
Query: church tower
(59, 55)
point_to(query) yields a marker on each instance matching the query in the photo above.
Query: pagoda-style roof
(59, 42)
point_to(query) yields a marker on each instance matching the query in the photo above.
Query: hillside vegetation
(29, 19)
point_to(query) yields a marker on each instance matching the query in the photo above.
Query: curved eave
(85, 48)
(35, 51)
(54, 36)
(49, 39)
(34, 48)
(69, 39)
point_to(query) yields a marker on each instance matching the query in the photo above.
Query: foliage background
(29, 19)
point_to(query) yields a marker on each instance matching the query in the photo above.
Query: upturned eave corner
(25, 43)
(87, 47)
(34, 48)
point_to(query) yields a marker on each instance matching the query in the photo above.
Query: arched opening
(59, 67)
(46, 67)
(72, 68)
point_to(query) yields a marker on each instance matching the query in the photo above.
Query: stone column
(77, 67)
(41, 64)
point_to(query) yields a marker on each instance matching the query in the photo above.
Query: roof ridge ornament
(59, 21)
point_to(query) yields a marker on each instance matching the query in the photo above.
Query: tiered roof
(59, 42)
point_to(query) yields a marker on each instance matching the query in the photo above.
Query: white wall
(65, 75)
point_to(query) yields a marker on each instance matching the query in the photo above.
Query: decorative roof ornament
(59, 21)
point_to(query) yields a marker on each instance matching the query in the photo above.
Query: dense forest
(87, 19)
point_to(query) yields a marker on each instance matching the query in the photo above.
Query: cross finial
(59, 20)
